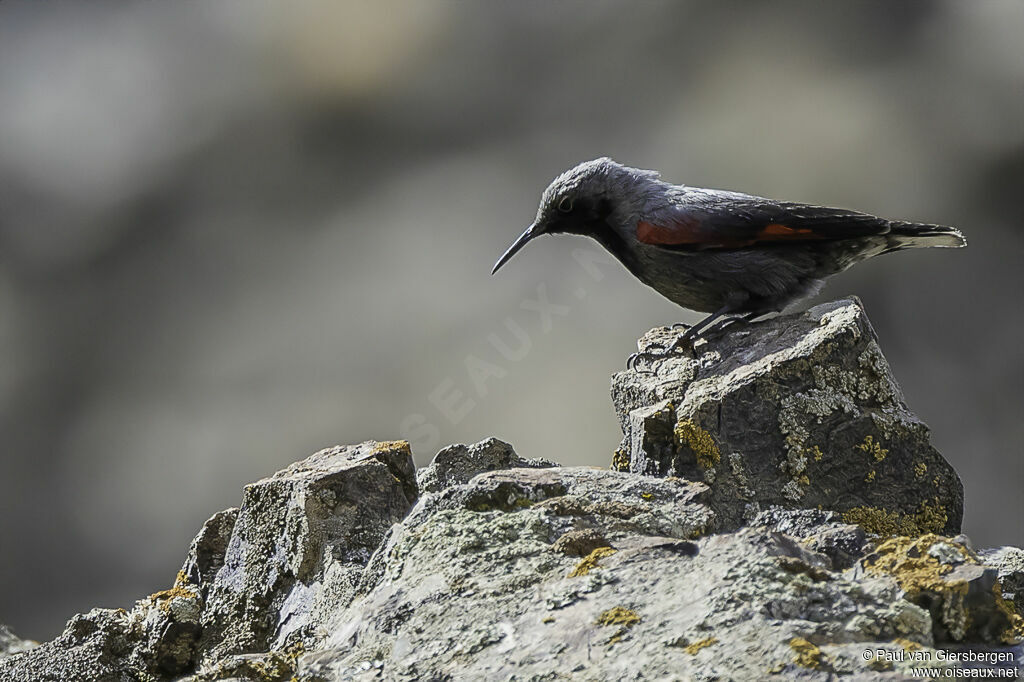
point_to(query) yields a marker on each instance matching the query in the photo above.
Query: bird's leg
(722, 324)
(685, 339)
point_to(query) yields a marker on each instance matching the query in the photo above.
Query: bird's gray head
(579, 200)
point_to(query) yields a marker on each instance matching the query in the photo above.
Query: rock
(571, 572)
(298, 545)
(1009, 562)
(739, 538)
(458, 463)
(154, 641)
(800, 411)
(821, 531)
(488, 593)
(12, 644)
(950, 581)
(206, 554)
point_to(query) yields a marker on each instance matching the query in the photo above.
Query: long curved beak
(530, 233)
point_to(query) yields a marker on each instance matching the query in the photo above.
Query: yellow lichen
(817, 453)
(647, 496)
(692, 649)
(620, 460)
(806, 655)
(918, 572)
(391, 445)
(1014, 633)
(873, 448)
(590, 562)
(906, 644)
(907, 560)
(181, 589)
(870, 477)
(618, 615)
(929, 518)
(920, 469)
(699, 441)
(548, 619)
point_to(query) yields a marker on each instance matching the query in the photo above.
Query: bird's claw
(633, 361)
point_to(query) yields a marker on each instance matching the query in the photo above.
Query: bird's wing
(726, 220)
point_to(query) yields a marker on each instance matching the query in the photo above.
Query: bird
(734, 256)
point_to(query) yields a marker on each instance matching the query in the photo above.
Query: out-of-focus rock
(458, 463)
(10, 643)
(800, 411)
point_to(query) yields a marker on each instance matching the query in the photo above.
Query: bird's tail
(918, 235)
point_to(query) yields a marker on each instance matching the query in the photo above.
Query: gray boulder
(298, 545)
(800, 411)
(458, 463)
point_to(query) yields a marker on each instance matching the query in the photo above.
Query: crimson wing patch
(738, 225)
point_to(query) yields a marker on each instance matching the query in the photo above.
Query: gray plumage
(717, 251)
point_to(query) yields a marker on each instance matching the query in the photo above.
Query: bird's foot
(681, 325)
(652, 357)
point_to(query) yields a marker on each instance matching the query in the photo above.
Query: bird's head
(577, 201)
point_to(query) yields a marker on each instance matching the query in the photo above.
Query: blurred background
(233, 233)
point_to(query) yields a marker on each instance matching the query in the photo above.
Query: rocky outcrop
(350, 565)
(800, 411)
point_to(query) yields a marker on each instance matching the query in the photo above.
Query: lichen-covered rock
(800, 411)
(530, 573)
(467, 590)
(948, 579)
(298, 545)
(458, 463)
(773, 512)
(10, 643)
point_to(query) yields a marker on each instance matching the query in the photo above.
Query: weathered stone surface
(951, 581)
(154, 641)
(459, 463)
(298, 545)
(760, 566)
(800, 411)
(206, 554)
(487, 592)
(822, 531)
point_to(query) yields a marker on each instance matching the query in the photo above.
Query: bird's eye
(565, 205)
